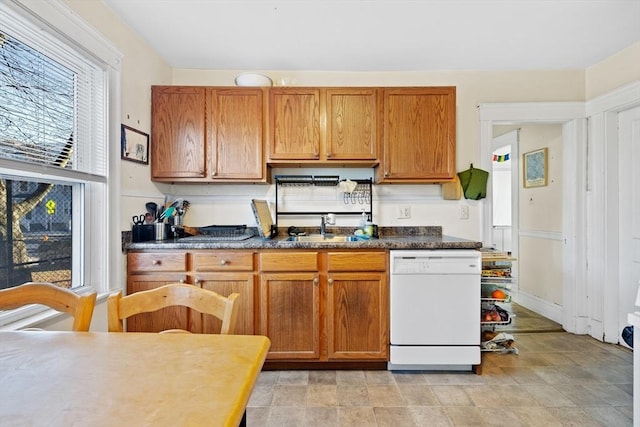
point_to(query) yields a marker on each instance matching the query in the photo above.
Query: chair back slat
(80, 307)
(174, 294)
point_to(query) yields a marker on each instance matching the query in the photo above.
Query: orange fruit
(498, 294)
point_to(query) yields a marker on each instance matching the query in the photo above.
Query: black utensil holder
(142, 233)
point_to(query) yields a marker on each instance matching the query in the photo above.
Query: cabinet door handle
(316, 281)
(156, 262)
(223, 262)
(330, 281)
(181, 280)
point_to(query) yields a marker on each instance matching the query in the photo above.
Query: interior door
(629, 196)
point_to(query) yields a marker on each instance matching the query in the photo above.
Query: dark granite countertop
(429, 237)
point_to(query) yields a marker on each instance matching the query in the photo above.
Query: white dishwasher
(435, 309)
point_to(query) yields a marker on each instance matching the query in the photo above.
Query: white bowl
(253, 79)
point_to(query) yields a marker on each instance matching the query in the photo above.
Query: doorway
(600, 217)
(570, 119)
(527, 222)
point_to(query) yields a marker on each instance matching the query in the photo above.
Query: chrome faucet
(324, 220)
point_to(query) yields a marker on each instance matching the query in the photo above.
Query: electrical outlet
(404, 212)
(464, 212)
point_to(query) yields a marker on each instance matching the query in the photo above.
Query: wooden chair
(80, 307)
(174, 294)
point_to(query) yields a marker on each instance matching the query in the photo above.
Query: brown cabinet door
(352, 124)
(358, 319)
(294, 122)
(226, 284)
(290, 314)
(237, 125)
(419, 135)
(163, 319)
(178, 133)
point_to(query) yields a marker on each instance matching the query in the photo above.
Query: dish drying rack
(361, 194)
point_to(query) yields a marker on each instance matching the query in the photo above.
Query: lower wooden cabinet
(290, 314)
(148, 270)
(224, 272)
(357, 318)
(337, 310)
(226, 284)
(314, 305)
(357, 305)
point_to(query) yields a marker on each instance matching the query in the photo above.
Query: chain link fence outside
(40, 248)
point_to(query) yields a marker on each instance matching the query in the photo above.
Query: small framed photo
(535, 168)
(135, 145)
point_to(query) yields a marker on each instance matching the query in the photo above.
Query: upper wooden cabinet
(178, 137)
(419, 139)
(352, 124)
(237, 123)
(294, 121)
(311, 125)
(230, 134)
(203, 134)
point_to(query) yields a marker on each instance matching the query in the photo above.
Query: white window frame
(100, 257)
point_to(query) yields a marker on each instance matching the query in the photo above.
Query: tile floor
(557, 379)
(525, 320)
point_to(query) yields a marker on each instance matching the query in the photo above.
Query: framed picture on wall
(135, 145)
(535, 168)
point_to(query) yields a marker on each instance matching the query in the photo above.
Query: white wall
(613, 72)
(540, 219)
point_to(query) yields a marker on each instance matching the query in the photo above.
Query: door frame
(604, 209)
(572, 116)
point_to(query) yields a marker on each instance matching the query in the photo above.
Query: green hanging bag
(474, 183)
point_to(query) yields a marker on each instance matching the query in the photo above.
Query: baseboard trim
(545, 308)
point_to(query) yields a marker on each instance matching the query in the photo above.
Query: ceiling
(383, 35)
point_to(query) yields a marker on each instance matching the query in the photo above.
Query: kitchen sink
(330, 238)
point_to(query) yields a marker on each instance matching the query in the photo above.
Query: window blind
(52, 107)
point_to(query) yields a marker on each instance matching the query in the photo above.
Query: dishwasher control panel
(436, 262)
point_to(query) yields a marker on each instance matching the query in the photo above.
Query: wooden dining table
(134, 379)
